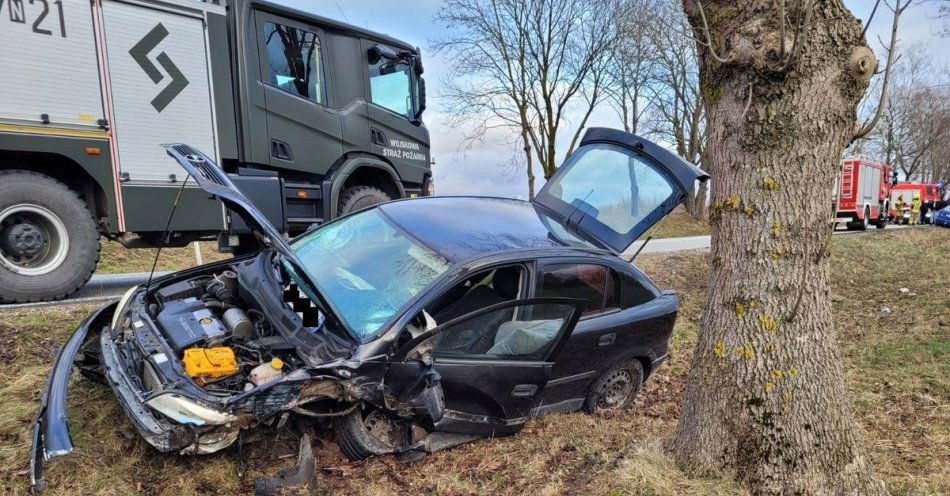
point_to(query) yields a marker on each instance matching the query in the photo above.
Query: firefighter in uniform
(899, 208)
(915, 209)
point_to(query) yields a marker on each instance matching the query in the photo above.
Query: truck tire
(882, 219)
(617, 388)
(49, 244)
(863, 224)
(359, 197)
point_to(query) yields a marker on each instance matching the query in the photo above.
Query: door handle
(377, 136)
(607, 339)
(524, 390)
(281, 150)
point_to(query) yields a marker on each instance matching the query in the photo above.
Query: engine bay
(220, 335)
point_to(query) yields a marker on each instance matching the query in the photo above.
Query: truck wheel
(863, 224)
(881, 220)
(360, 197)
(617, 388)
(49, 244)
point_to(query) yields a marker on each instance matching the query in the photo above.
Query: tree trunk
(527, 162)
(766, 399)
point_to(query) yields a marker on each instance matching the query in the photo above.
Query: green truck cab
(313, 118)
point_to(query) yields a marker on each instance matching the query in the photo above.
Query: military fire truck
(312, 117)
(861, 194)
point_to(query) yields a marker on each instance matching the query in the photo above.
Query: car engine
(222, 340)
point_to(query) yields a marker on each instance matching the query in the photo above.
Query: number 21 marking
(17, 14)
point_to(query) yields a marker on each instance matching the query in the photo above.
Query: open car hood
(615, 186)
(215, 181)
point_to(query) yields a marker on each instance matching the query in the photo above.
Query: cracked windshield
(367, 268)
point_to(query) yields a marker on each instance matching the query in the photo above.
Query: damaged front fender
(51, 432)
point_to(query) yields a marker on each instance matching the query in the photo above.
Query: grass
(898, 369)
(117, 259)
(679, 223)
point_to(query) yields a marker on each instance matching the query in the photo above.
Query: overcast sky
(485, 168)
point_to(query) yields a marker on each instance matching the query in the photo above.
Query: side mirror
(893, 178)
(422, 100)
(382, 52)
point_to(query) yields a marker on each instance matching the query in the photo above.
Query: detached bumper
(51, 432)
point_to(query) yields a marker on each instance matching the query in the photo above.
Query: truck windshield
(366, 268)
(390, 85)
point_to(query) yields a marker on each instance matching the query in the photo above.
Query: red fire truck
(930, 195)
(862, 195)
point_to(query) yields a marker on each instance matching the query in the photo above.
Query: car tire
(357, 434)
(67, 253)
(616, 389)
(360, 197)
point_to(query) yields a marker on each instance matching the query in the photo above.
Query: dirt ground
(896, 347)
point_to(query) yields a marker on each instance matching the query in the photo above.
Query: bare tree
(566, 41)
(943, 13)
(677, 114)
(914, 115)
(490, 84)
(524, 65)
(766, 399)
(631, 62)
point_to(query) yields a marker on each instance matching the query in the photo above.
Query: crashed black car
(415, 325)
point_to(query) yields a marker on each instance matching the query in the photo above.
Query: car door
(304, 131)
(482, 373)
(615, 186)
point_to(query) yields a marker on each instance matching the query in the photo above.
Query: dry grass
(117, 259)
(679, 223)
(898, 367)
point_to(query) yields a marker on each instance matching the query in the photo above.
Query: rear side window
(294, 59)
(632, 292)
(595, 284)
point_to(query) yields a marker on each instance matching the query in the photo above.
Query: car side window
(633, 293)
(523, 332)
(294, 59)
(595, 284)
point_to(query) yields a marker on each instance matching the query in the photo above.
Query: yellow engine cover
(208, 364)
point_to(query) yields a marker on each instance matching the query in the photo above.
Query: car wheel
(617, 388)
(49, 244)
(367, 432)
(360, 197)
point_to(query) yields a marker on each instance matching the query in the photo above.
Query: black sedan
(413, 325)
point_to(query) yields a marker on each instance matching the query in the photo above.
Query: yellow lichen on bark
(720, 349)
(768, 324)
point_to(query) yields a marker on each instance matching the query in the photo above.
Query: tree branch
(891, 50)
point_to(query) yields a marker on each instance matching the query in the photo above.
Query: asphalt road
(667, 245)
(105, 287)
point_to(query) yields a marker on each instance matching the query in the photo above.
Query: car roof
(462, 228)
